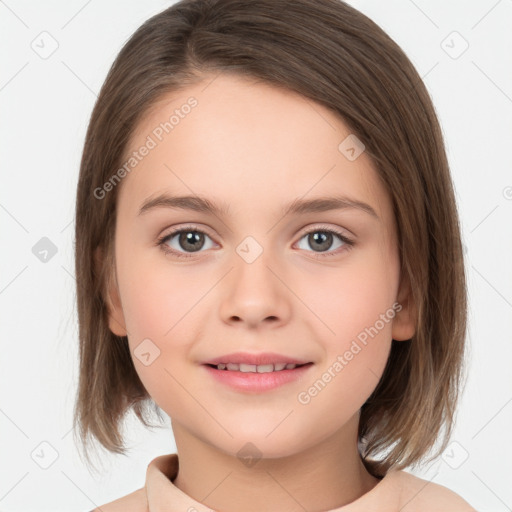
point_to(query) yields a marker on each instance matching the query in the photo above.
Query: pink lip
(256, 358)
(257, 382)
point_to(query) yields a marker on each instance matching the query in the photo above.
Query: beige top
(397, 491)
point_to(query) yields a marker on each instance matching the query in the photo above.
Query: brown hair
(331, 53)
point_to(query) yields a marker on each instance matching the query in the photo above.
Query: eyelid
(304, 231)
(327, 227)
(187, 227)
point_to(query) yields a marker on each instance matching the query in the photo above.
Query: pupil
(319, 238)
(193, 239)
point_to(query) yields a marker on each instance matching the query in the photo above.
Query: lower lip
(257, 382)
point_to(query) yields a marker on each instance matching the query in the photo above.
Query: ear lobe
(404, 323)
(116, 321)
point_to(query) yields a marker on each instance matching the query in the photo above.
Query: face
(320, 284)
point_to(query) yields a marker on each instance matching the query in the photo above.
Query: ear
(404, 323)
(116, 321)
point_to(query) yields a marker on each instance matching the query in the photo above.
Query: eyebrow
(298, 206)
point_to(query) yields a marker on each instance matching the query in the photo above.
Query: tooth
(262, 368)
(247, 367)
(265, 368)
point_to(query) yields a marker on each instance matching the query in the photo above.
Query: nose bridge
(252, 266)
(255, 292)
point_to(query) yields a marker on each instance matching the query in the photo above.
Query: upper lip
(260, 358)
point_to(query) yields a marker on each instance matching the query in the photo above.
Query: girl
(268, 250)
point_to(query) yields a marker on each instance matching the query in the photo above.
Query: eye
(322, 238)
(190, 239)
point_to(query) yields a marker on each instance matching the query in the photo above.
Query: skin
(256, 148)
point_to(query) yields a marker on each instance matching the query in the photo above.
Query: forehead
(243, 143)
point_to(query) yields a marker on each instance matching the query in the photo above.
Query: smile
(256, 378)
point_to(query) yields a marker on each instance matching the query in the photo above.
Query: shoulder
(133, 502)
(419, 495)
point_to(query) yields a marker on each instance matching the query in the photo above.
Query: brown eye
(184, 241)
(321, 240)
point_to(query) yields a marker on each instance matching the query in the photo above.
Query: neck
(322, 477)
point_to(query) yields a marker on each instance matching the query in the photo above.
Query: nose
(255, 294)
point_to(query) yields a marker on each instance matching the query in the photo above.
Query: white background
(46, 104)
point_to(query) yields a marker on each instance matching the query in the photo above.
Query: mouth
(250, 378)
(253, 368)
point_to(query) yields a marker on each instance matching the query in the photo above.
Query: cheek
(162, 311)
(347, 299)
(158, 298)
(343, 382)
(356, 307)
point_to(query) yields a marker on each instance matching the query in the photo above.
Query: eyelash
(163, 239)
